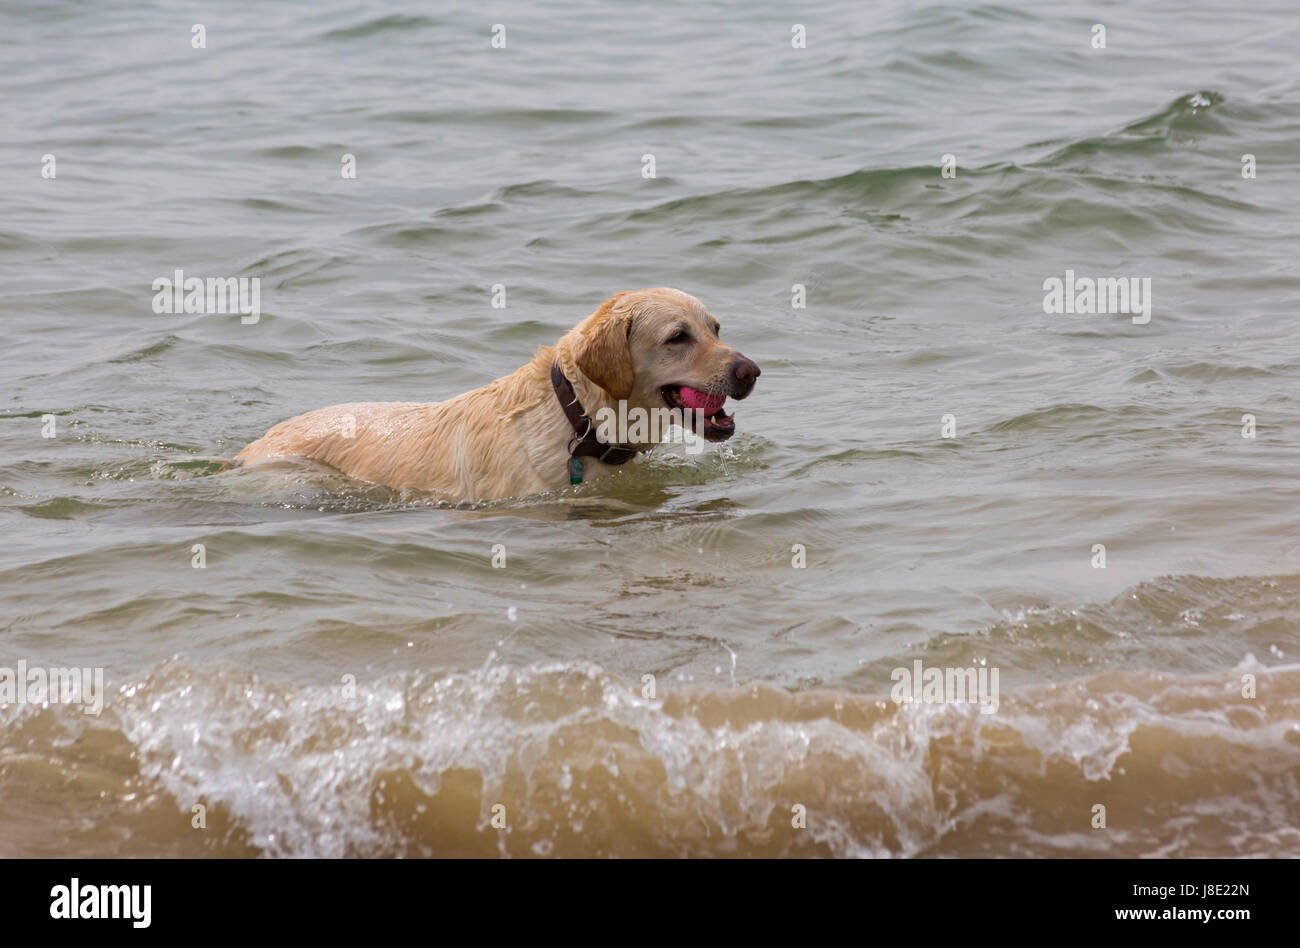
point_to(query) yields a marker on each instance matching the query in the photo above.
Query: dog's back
(461, 447)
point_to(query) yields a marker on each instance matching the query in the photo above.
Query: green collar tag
(575, 470)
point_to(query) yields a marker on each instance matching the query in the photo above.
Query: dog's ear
(604, 355)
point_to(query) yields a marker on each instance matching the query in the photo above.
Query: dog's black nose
(744, 372)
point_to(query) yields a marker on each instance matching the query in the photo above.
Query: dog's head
(660, 349)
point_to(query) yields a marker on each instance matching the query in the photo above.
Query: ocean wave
(583, 764)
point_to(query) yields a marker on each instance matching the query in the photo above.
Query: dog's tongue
(693, 398)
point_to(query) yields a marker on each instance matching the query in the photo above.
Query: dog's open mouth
(718, 425)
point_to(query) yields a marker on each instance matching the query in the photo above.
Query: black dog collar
(585, 443)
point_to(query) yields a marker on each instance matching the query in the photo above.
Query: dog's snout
(744, 372)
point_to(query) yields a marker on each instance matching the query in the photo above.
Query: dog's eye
(680, 335)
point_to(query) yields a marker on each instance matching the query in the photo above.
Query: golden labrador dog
(532, 431)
